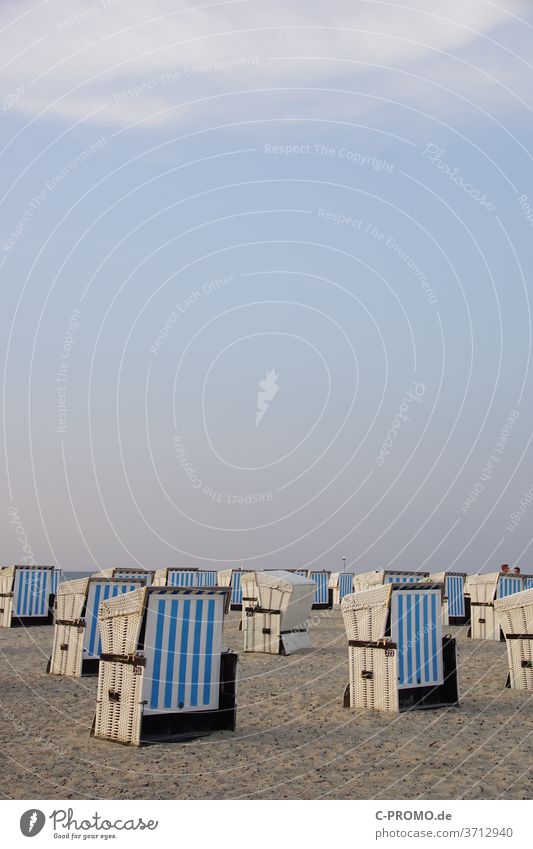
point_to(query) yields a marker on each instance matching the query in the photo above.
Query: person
(505, 569)
(516, 570)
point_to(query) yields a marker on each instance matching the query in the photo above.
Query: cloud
(113, 62)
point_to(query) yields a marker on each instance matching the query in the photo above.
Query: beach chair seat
(483, 591)
(163, 674)
(76, 646)
(340, 584)
(399, 658)
(515, 618)
(27, 595)
(276, 610)
(456, 608)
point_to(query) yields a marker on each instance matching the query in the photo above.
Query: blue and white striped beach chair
(456, 610)
(398, 656)
(528, 582)
(125, 572)
(321, 598)
(483, 591)
(378, 577)
(514, 613)
(76, 648)
(27, 595)
(163, 674)
(207, 578)
(341, 584)
(173, 576)
(232, 578)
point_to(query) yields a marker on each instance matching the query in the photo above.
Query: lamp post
(343, 564)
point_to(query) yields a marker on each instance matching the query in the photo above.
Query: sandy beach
(294, 739)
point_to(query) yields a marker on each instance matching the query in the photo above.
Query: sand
(294, 740)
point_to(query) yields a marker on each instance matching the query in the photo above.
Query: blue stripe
(169, 680)
(94, 614)
(409, 644)
(183, 651)
(418, 670)
(157, 655)
(426, 636)
(209, 651)
(434, 634)
(24, 577)
(196, 651)
(401, 675)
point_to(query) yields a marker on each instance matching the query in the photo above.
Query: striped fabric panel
(127, 574)
(455, 591)
(528, 583)
(508, 585)
(55, 581)
(402, 579)
(416, 628)
(183, 643)
(207, 578)
(182, 579)
(31, 591)
(99, 592)
(321, 591)
(236, 591)
(345, 584)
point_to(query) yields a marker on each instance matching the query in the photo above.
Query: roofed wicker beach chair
(398, 656)
(163, 674)
(76, 647)
(127, 572)
(232, 578)
(456, 609)
(323, 599)
(27, 595)
(367, 580)
(341, 583)
(483, 591)
(276, 610)
(515, 618)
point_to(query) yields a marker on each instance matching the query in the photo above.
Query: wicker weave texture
(515, 613)
(484, 624)
(520, 656)
(365, 613)
(373, 678)
(71, 598)
(119, 702)
(67, 651)
(6, 602)
(262, 632)
(482, 588)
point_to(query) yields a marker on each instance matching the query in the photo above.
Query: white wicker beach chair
(27, 595)
(483, 591)
(125, 572)
(163, 674)
(378, 577)
(341, 584)
(456, 608)
(76, 647)
(398, 656)
(232, 578)
(275, 611)
(515, 618)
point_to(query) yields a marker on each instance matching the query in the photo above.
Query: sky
(265, 284)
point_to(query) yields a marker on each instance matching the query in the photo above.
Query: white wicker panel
(367, 580)
(120, 620)
(488, 629)
(520, 656)
(7, 582)
(255, 640)
(380, 691)
(365, 613)
(160, 578)
(515, 613)
(482, 588)
(67, 651)
(119, 719)
(70, 599)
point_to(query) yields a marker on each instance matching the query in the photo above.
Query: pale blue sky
(356, 181)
